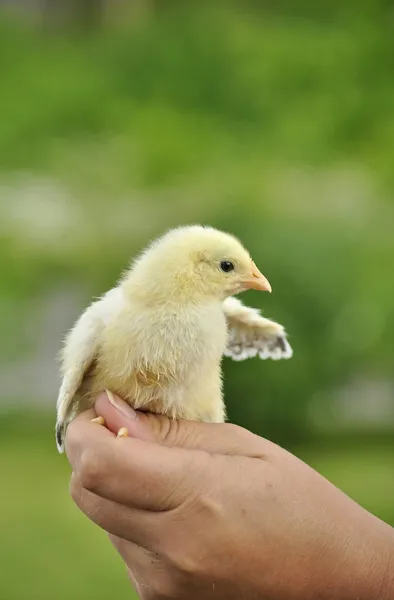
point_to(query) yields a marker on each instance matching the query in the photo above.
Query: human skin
(213, 511)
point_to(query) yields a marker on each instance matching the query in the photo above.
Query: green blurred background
(121, 119)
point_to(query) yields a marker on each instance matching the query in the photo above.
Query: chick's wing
(250, 334)
(78, 354)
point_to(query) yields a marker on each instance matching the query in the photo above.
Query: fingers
(215, 438)
(134, 556)
(139, 526)
(132, 471)
(118, 414)
(144, 568)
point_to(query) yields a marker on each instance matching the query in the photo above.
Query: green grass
(364, 472)
(49, 550)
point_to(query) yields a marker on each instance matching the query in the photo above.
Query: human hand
(212, 511)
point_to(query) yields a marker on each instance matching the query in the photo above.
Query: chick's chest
(177, 338)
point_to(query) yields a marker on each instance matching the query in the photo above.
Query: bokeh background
(121, 119)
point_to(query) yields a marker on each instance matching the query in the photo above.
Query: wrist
(384, 569)
(365, 571)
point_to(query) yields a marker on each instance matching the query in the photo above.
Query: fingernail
(99, 420)
(121, 406)
(123, 432)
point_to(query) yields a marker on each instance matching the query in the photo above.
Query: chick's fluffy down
(157, 339)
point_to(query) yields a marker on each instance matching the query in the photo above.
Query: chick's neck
(175, 290)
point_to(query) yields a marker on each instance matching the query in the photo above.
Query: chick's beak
(257, 281)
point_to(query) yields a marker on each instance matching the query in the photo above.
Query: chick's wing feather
(79, 352)
(250, 334)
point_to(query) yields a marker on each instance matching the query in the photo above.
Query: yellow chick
(158, 338)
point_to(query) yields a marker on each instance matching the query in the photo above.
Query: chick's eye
(227, 266)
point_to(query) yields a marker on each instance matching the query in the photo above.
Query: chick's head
(197, 262)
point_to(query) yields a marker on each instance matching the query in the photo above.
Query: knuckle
(91, 469)
(186, 563)
(168, 430)
(71, 438)
(166, 589)
(210, 507)
(188, 557)
(161, 586)
(75, 489)
(164, 428)
(185, 557)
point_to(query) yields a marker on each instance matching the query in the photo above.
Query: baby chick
(157, 339)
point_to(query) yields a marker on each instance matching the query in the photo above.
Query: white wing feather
(79, 352)
(250, 334)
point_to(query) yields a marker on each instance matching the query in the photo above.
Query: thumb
(214, 438)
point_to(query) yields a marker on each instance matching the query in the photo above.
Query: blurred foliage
(272, 122)
(274, 125)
